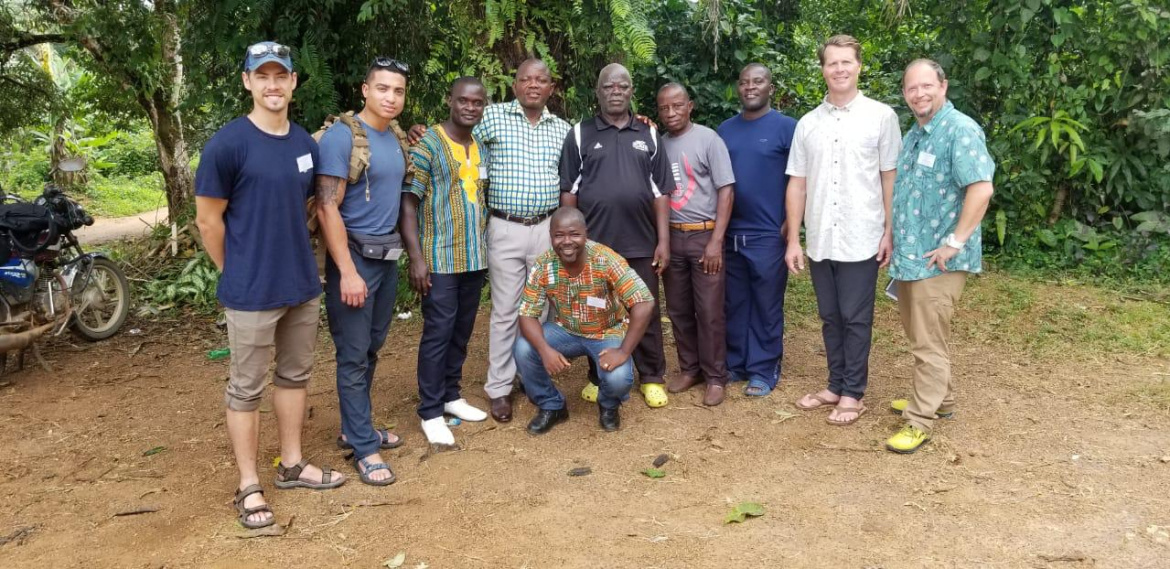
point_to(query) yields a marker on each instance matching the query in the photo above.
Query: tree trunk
(167, 124)
(1058, 204)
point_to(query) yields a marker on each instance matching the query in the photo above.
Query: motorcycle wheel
(101, 308)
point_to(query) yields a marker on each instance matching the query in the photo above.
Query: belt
(696, 226)
(522, 220)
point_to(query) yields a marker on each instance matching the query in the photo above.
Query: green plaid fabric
(525, 159)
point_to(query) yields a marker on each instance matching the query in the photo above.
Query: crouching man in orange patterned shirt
(589, 290)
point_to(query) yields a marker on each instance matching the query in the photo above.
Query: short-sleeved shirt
(616, 173)
(374, 212)
(937, 164)
(593, 304)
(700, 165)
(759, 153)
(525, 159)
(842, 151)
(266, 179)
(450, 182)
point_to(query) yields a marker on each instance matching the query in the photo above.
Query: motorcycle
(47, 281)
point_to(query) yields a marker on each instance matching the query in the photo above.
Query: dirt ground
(1049, 463)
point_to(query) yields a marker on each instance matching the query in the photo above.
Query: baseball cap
(260, 53)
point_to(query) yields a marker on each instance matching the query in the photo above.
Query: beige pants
(252, 335)
(512, 249)
(926, 307)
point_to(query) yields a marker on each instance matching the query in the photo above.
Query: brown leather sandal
(290, 477)
(244, 512)
(859, 411)
(820, 402)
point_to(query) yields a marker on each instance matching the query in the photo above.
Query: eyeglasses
(392, 64)
(262, 49)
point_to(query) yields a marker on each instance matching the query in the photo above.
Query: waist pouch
(381, 247)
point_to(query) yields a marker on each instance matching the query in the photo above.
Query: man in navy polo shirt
(758, 140)
(359, 222)
(250, 191)
(614, 171)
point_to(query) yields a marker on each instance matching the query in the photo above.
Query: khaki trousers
(926, 307)
(512, 250)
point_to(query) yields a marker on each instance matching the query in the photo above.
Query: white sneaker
(462, 409)
(437, 432)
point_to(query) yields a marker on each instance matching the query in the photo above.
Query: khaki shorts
(252, 335)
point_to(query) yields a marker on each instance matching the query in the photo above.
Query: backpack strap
(359, 156)
(408, 177)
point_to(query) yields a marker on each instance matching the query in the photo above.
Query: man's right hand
(416, 133)
(794, 258)
(353, 290)
(420, 277)
(554, 361)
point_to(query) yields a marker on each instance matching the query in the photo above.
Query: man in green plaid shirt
(525, 141)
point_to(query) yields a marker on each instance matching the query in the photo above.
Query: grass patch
(122, 196)
(1156, 393)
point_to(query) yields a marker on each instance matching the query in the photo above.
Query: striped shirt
(525, 159)
(592, 304)
(450, 182)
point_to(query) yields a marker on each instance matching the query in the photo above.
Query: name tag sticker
(926, 159)
(595, 302)
(483, 174)
(305, 163)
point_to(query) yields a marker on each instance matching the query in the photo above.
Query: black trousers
(845, 297)
(448, 319)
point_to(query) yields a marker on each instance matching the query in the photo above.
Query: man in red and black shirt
(613, 170)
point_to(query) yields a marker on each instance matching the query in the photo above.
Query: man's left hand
(885, 250)
(611, 359)
(645, 120)
(712, 260)
(940, 257)
(661, 258)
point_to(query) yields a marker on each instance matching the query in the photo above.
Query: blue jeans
(358, 334)
(615, 384)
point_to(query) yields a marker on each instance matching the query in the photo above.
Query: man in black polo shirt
(613, 170)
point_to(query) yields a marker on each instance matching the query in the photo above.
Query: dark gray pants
(449, 311)
(845, 296)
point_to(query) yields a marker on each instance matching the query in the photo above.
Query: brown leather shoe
(502, 408)
(714, 395)
(680, 382)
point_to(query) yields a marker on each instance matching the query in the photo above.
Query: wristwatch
(953, 243)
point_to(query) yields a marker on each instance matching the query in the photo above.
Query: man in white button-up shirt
(842, 168)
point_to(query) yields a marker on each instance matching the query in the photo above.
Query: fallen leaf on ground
(783, 415)
(397, 561)
(661, 460)
(654, 473)
(581, 471)
(742, 511)
(154, 451)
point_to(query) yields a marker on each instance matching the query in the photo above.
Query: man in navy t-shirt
(758, 140)
(359, 222)
(254, 178)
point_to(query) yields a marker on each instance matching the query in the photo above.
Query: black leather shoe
(544, 420)
(610, 419)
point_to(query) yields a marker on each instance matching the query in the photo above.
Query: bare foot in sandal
(822, 398)
(253, 509)
(380, 474)
(847, 412)
(305, 475)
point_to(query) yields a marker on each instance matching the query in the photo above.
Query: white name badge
(595, 302)
(305, 163)
(483, 174)
(926, 159)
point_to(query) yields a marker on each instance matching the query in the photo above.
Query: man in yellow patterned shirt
(589, 290)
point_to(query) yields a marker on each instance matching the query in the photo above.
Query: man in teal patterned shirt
(941, 193)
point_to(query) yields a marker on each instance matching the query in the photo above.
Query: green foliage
(742, 511)
(192, 286)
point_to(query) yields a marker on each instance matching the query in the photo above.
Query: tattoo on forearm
(327, 189)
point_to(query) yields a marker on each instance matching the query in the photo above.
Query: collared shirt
(525, 159)
(937, 164)
(616, 173)
(842, 151)
(593, 304)
(450, 182)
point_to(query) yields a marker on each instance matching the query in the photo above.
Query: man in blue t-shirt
(359, 222)
(758, 140)
(254, 178)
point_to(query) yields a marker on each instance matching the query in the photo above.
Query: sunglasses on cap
(262, 49)
(391, 64)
